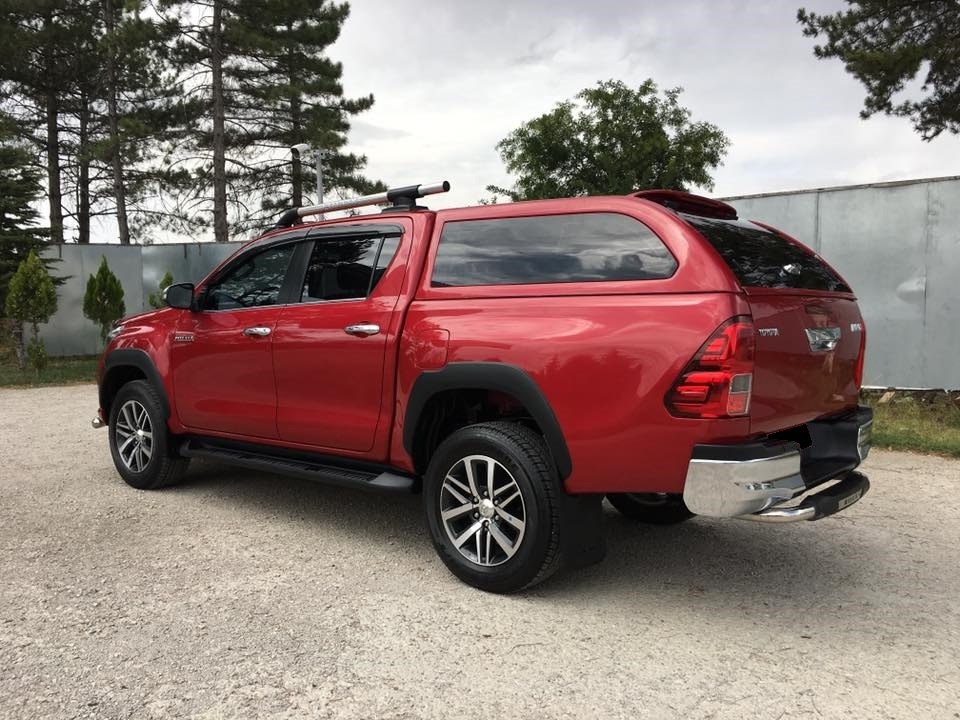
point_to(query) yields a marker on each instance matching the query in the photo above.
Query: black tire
(652, 508)
(523, 455)
(164, 466)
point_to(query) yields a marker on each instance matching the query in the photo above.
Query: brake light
(718, 381)
(858, 370)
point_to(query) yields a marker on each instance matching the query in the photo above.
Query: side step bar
(383, 482)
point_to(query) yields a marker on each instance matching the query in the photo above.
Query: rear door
(330, 344)
(809, 329)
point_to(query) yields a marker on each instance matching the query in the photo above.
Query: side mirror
(179, 296)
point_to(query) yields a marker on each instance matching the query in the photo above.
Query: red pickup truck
(516, 364)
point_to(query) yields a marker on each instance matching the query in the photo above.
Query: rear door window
(347, 268)
(577, 247)
(764, 259)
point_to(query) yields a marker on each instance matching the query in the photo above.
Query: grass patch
(59, 371)
(927, 425)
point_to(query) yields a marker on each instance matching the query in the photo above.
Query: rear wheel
(491, 497)
(653, 508)
(142, 448)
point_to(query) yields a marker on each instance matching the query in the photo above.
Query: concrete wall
(898, 245)
(139, 269)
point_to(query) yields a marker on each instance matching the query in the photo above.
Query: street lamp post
(298, 151)
(320, 155)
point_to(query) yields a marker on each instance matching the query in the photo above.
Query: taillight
(717, 382)
(858, 370)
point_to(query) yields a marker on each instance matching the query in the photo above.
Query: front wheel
(140, 443)
(491, 497)
(653, 508)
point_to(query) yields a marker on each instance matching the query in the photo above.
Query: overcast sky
(451, 78)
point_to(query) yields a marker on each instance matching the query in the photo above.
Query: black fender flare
(499, 377)
(139, 359)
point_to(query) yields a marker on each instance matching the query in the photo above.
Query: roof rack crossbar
(401, 198)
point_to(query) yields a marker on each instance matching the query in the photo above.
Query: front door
(222, 353)
(329, 349)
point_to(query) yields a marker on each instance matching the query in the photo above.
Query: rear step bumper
(755, 480)
(819, 504)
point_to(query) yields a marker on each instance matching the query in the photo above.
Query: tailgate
(806, 362)
(809, 329)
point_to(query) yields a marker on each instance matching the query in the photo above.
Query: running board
(383, 482)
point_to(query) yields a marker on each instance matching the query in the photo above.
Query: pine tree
(141, 108)
(35, 67)
(95, 91)
(156, 299)
(31, 299)
(19, 189)
(103, 300)
(270, 85)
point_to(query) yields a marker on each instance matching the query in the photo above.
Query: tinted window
(760, 258)
(255, 282)
(585, 247)
(347, 268)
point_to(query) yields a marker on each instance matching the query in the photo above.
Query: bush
(156, 299)
(103, 300)
(37, 354)
(31, 298)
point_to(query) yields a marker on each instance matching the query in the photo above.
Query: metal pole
(320, 155)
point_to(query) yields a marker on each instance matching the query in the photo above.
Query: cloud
(453, 78)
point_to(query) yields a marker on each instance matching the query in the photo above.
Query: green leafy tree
(886, 44)
(103, 300)
(31, 299)
(156, 298)
(611, 139)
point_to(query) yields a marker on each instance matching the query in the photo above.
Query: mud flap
(582, 538)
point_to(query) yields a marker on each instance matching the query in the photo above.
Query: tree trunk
(53, 144)
(119, 189)
(83, 179)
(219, 138)
(295, 122)
(297, 171)
(19, 345)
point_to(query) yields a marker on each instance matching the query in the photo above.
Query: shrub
(156, 299)
(37, 354)
(32, 299)
(103, 300)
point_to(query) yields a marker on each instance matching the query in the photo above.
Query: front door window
(255, 282)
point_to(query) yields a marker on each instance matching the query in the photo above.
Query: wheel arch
(123, 366)
(493, 377)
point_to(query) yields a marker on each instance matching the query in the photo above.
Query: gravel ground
(241, 594)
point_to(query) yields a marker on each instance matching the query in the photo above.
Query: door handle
(257, 331)
(362, 329)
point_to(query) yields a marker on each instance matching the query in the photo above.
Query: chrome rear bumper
(755, 480)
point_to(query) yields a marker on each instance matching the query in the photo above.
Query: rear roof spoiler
(688, 203)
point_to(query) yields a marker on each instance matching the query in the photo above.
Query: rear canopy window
(760, 258)
(581, 247)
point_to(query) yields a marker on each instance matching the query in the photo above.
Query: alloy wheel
(482, 510)
(133, 435)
